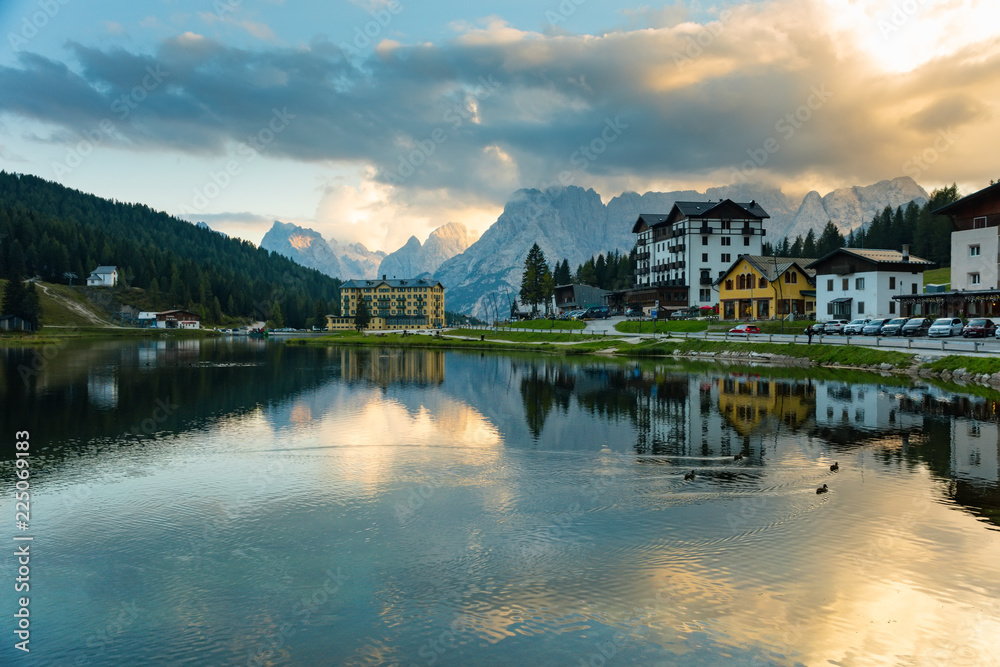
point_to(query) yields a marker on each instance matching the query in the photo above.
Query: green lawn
(547, 324)
(940, 276)
(662, 326)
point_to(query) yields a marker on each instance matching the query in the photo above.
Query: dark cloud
(685, 100)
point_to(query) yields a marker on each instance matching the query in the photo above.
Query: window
(741, 282)
(973, 278)
(704, 240)
(844, 285)
(746, 240)
(763, 282)
(861, 307)
(705, 294)
(979, 223)
(704, 256)
(829, 285)
(859, 283)
(791, 277)
(892, 307)
(726, 224)
(726, 240)
(729, 284)
(725, 257)
(974, 250)
(913, 288)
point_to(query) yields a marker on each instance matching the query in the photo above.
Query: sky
(374, 120)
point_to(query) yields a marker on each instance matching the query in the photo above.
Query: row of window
(861, 308)
(369, 290)
(859, 283)
(749, 280)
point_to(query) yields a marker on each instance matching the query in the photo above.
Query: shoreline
(954, 368)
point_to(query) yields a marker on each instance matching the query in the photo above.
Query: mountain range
(571, 223)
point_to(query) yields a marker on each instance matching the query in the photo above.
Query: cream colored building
(393, 304)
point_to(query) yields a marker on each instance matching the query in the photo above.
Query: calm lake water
(248, 503)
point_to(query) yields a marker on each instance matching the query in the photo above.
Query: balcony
(705, 280)
(705, 229)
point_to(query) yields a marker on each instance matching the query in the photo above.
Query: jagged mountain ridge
(308, 248)
(572, 223)
(415, 260)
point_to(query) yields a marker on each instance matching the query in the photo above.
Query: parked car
(597, 313)
(946, 326)
(893, 327)
(979, 326)
(854, 327)
(744, 329)
(916, 326)
(874, 327)
(819, 328)
(835, 326)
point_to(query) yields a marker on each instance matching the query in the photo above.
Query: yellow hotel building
(761, 288)
(393, 304)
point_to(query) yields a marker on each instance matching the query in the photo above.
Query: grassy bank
(664, 326)
(974, 365)
(526, 341)
(547, 324)
(820, 354)
(56, 333)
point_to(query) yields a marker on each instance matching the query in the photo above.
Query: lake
(234, 502)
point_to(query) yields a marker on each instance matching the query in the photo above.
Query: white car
(946, 326)
(835, 327)
(854, 327)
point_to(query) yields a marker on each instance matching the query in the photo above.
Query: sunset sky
(372, 120)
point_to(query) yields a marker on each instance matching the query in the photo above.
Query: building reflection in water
(385, 367)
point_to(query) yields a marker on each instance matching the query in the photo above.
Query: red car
(744, 330)
(979, 326)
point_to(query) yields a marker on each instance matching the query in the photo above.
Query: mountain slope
(414, 259)
(308, 248)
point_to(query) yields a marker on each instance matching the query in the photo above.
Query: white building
(103, 276)
(858, 282)
(680, 254)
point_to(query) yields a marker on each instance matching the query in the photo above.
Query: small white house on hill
(103, 276)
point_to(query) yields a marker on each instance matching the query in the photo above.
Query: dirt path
(75, 307)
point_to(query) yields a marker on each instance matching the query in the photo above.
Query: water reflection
(427, 507)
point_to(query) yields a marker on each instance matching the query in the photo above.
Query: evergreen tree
(21, 300)
(362, 318)
(796, 249)
(536, 280)
(562, 275)
(276, 317)
(829, 240)
(809, 245)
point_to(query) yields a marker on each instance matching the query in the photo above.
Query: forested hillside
(54, 232)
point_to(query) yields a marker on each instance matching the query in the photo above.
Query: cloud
(496, 108)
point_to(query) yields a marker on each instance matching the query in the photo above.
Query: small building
(15, 323)
(578, 297)
(760, 287)
(975, 268)
(394, 304)
(103, 276)
(146, 319)
(862, 282)
(177, 319)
